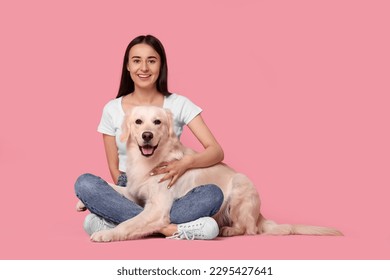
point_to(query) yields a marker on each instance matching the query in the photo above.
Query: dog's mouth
(147, 150)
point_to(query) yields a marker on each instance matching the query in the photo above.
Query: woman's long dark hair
(127, 84)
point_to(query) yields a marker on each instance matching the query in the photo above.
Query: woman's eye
(157, 122)
(136, 61)
(152, 61)
(138, 121)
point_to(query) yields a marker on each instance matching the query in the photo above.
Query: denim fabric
(122, 180)
(101, 199)
(202, 201)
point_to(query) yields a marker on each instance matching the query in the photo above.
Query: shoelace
(103, 224)
(181, 233)
(100, 224)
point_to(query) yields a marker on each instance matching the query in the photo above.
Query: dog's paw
(227, 231)
(103, 236)
(80, 206)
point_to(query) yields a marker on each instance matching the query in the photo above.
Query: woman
(144, 82)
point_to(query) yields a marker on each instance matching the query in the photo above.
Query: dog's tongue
(147, 150)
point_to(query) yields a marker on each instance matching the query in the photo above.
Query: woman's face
(144, 66)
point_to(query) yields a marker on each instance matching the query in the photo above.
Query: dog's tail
(268, 227)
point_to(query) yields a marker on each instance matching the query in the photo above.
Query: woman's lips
(144, 76)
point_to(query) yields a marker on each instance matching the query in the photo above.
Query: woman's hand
(172, 170)
(80, 206)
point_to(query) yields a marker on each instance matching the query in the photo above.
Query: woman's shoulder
(176, 99)
(182, 107)
(112, 105)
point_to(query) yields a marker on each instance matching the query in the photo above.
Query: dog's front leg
(121, 190)
(150, 220)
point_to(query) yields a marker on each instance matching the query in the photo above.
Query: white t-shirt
(111, 122)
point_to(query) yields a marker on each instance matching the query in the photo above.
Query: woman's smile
(144, 76)
(144, 65)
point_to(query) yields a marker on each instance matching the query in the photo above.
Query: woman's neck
(144, 97)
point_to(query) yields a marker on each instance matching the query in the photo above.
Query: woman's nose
(144, 66)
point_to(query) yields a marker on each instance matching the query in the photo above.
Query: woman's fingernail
(151, 173)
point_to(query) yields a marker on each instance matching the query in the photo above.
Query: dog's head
(148, 127)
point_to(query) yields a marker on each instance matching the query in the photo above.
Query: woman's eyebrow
(136, 56)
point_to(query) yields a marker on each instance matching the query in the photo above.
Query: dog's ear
(126, 127)
(171, 130)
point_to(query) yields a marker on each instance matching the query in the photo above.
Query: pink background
(297, 92)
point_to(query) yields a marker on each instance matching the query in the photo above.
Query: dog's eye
(138, 121)
(157, 122)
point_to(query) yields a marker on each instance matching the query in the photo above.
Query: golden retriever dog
(150, 140)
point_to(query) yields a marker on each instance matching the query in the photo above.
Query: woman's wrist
(115, 175)
(189, 161)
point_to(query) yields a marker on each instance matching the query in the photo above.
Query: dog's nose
(147, 136)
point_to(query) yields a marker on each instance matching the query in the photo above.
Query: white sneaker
(203, 228)
(94, 223)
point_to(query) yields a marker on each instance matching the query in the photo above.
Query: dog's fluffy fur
(151, 140)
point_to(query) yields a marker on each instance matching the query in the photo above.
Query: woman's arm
(212, 154)
(112, 156)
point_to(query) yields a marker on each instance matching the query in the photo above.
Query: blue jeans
(101, 199)
(122, 180)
